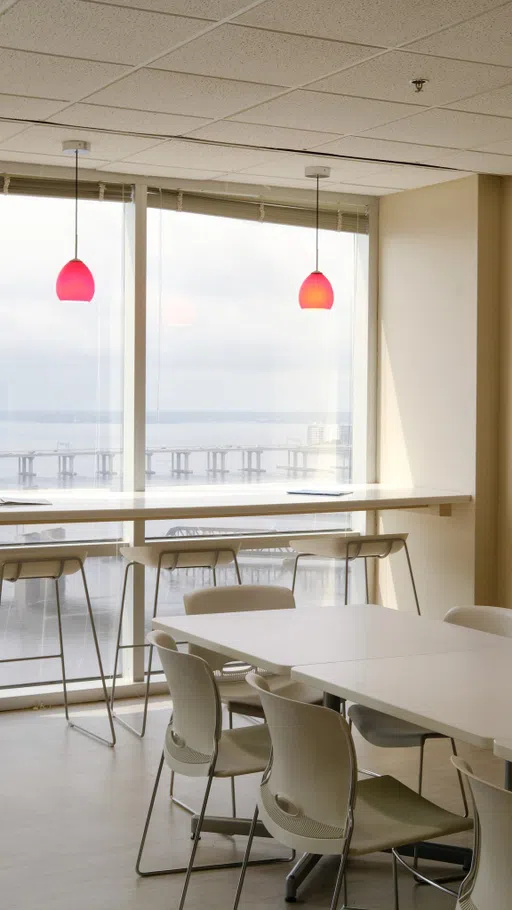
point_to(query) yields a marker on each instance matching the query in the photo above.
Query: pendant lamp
(316, 291)
(75, 280)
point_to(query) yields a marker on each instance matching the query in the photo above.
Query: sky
(225, 331)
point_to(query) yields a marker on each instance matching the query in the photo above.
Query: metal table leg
(298, 875)
(508, 775)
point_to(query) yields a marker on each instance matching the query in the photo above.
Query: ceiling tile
(293, 166)
(405, 178)
(48, 141)
(319, 111)
(383, 149)
(29, 108)
(8, 155)
(389, 77)
(498, 102)
(362, 189)
(497, 148)
(205, 9)
(95, 31)
(120, 118)
(44, 76)
(269, 183)
(387, 23)
(478, 162)
(8, 129)
(197, 155)
(255, 134)
(444, 127)
(153, 170)
(250, 54)
(487, 38)
(181, 93)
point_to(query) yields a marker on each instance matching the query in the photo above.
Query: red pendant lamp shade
(316, 291)
(75, 280)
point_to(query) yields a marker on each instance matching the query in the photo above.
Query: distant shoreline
(291, 417)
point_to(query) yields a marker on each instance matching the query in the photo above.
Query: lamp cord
(76, 203)
(317, 208)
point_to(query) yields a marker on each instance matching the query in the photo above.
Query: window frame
(134, 354)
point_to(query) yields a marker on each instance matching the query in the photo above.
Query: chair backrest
(496, 620)
(489, 883)
(196, 724)
(234, 599)
(309, 789)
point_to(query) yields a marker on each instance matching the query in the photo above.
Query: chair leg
(197, 833)
(420, 787)
(346, 578)
(233, 794)
(245, 861)
(461, 783)
(395, 884)
(366, 585)
(214, 573)
(413, 583)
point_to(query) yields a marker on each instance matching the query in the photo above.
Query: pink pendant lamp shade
(75, 280)
(316, 291)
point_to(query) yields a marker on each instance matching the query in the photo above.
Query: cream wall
(438, 330)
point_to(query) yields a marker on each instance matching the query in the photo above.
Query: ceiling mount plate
(70, 146)
(317, 171)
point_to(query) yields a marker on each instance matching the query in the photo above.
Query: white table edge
(306, 674)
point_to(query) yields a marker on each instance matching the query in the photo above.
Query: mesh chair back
(489, 883)
(196, 723)
(496, 620)
(307, 795)
(234, 599)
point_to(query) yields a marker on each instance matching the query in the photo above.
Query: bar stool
(172, 554)
(48, 562)
(348, 548)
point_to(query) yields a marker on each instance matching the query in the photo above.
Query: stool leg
(413, 583)
(233, 792)
(346, 578)
(151, 649)
(61, 646)
(119, 632)
(367, 590)
(237, 568)
(294, 579)
(102, 739)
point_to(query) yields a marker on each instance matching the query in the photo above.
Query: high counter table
(217, 501)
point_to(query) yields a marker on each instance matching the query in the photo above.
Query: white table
(384, 658)
(278, 640)
(216, 501)
(464, 694)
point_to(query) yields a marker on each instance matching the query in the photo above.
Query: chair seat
(40, 562)
(245, 750)
(385, 731)
(240, 695)
(181, 553)
(355, 546)
(388, 813)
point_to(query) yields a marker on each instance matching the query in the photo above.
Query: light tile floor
(71, 815)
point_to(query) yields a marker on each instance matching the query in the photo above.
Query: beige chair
(489, 882)
(53, 563)
(196, 745)
(230, 676)
(348, 548)
(171, 554)
(310, 799)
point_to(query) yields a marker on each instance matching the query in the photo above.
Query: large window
(242, 386)
(61, 395)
